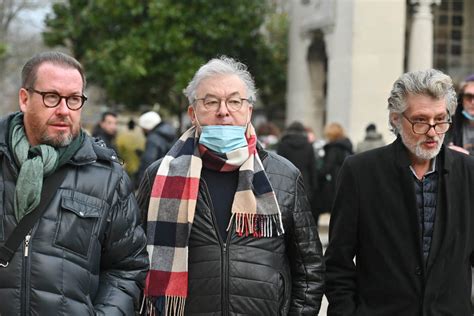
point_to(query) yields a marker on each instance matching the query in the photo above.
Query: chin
(426, 154)
(61, 140)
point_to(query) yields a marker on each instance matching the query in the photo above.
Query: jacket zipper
(225, 272)
(224, 254)
(25, 277)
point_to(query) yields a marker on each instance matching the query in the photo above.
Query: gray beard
(420, 152)
(63, 140)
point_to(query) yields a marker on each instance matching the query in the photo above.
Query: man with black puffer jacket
(229, 227)
(86, 254)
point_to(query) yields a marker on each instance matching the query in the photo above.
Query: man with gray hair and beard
(404, 212)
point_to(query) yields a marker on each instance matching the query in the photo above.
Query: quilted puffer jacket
(86, 255)
(253, 276)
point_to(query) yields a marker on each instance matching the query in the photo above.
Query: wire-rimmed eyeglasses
(52, 99)
(233, 103)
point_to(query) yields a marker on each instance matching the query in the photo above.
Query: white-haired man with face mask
(230, 230)
(404, 212)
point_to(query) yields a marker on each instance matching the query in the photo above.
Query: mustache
(61, 120)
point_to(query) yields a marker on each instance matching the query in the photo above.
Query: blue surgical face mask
(223, 138)
(467, 115)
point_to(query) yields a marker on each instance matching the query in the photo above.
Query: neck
(420, 166)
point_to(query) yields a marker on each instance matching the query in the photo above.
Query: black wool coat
(375, 220)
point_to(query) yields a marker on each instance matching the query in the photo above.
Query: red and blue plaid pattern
(255, 212)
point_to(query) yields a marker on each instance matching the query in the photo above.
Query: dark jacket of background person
(247, 276)
(158, 141)
(87, 252)
(335, 152)
(107, 137)
(380, 227)
(455, 134)
(295, 147)
(372, 139)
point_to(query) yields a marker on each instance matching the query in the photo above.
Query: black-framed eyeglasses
(422, 128)
(468, 97)
(52, 99)
(233, 104)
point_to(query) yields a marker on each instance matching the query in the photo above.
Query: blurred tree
(143, 52)
(18, 42)
(9, 10)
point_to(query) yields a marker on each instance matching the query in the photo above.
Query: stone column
(420, 54)
(300, 103)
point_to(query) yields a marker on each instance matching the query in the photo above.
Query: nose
(222, 110)
(62, 108)
(431, 132)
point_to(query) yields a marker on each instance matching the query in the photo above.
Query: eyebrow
(424, 116)
(215, 96)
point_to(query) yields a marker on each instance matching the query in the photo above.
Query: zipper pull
(27, 243)
(224, 246)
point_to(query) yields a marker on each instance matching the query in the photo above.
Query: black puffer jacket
(86, 255)
(253, 276)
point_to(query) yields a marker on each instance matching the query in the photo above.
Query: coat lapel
(409, 198)
(444, 214)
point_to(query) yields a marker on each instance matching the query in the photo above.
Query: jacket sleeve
(124, 260)
(306, 259)
(341, 286)
(153, 151)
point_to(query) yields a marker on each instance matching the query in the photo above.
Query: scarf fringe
(257, 225)
(163, 306)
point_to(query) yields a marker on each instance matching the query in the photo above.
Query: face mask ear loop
(198, 125)
(248, 121)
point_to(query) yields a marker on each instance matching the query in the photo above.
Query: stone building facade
(344, 55)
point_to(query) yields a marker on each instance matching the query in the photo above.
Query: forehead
(469, 88)
(110, 118)
(58, 77)
(221, 85)
(419, 104)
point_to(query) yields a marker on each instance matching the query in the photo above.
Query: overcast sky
(32, 21)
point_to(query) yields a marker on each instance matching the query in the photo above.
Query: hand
(458, 148)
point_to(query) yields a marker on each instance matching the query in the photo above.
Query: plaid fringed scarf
(171, 212)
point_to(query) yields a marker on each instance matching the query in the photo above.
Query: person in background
(461, 135)
(268, 135)
(318, 147)
(401, 235)
(372, 139)
(229, 227)
(129, 143)
(106, 129)
(336, 149)
(160, 136)
(86, 255)
(295, 146)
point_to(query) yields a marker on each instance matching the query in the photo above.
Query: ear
(395, 119)
(23, 97)
(192, 114)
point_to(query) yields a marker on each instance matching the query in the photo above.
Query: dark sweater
(222, 187)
